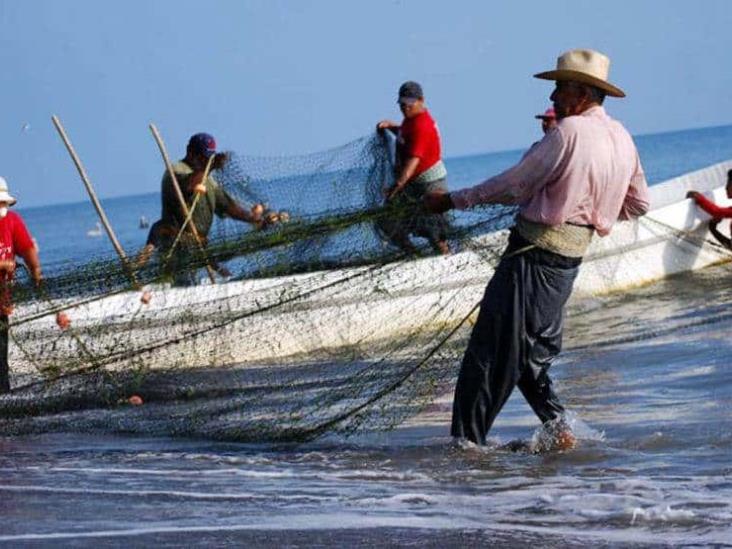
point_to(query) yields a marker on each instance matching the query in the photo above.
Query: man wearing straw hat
(14, 240)
(577, 181)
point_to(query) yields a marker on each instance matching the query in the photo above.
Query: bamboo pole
(95, 201)
(179, 194)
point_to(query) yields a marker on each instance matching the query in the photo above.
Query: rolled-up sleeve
(539, 166)
(637, 200)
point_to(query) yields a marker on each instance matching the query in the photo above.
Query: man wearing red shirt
(14, 240)
(717, 212)
(419, 170)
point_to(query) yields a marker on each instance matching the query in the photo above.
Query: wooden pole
(179, 194)
(95, 201)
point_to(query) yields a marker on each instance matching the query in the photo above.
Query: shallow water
(646, 374)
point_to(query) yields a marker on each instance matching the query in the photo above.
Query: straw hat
(4, 195)
(586, 67)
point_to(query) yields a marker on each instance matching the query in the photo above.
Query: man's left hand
(438, 202)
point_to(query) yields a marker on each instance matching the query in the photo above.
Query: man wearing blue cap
(419, 170)
(214, 200)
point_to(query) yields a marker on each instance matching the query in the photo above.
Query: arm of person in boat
(723, 240)
(717, 212)
(407, 173)
(637, 201)
(227, 206)
(26, 248)
(539, 166)
(236, 211)
(30, 256)
(154, 240)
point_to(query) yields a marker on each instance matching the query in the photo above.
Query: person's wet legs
(515, 340)
(549, 290)
(490, 367)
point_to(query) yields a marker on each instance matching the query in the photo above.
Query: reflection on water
(647, 372)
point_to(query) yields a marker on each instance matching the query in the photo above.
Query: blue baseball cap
(409, 92)
(203, 143)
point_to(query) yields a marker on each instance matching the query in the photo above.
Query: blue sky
(276, 77)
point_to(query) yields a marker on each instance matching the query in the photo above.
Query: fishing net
(327, 323)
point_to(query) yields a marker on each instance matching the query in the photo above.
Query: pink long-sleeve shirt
(586, 171)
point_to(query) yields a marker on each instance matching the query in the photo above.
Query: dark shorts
(409, 217)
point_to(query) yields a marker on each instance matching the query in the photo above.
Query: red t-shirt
(419, 137)
(14, 240)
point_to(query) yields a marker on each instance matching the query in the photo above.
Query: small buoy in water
(146, 297)
(135, 400)
(62, 320)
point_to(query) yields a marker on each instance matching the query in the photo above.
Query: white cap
(4, 195)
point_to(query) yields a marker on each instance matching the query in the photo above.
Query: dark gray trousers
(517, 336)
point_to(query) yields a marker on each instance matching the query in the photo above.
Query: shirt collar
(596, 111)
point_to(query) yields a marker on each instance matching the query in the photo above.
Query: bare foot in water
(564, 440)
(554, 436)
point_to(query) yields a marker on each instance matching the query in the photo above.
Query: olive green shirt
(215, 201)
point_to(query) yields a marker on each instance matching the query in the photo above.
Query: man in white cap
(577, 181)
(14, 241)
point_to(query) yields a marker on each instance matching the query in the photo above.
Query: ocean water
(645, 373)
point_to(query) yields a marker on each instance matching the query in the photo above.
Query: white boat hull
(329, 312)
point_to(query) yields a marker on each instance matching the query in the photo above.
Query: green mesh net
(326, 324)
